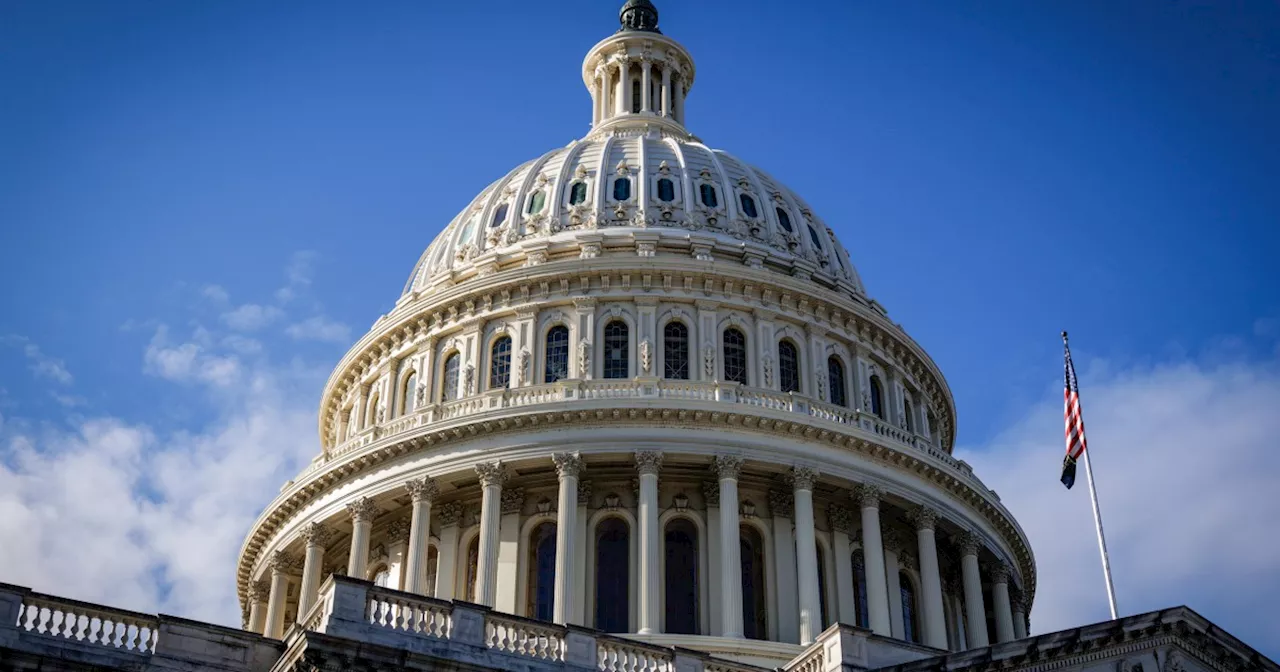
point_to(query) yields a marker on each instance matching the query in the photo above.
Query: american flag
(1072, 416)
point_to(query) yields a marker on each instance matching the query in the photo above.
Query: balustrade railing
(523, 637)
(776, 401)
(399, 611)
(92, 624)
(624, 656)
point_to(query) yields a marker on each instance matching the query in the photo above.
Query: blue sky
(203, 204)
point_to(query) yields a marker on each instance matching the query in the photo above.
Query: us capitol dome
(637, 385)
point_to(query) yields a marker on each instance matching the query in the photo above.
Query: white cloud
(319, 328)
(1185, 459)
(190, 361)
(41, 365)
(298, 275)
(251, 317)
(216, 294)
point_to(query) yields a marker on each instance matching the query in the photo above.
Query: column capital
(906, 560)
(728, 466)
(868, 495)
(711, 493)
(282, 561)
(999, 572)
(970, 543)
(891, 541)
(259, 590)
(568, 465)
(1017, 600)
(492, 473)
(316, 534)
(512, 500)
(450, 514)
(840, 518)
(584, 493)
(923, 517)
(782, 503)
(648, 461)
(802, 478)
(399, 530)
(363, 510)
(422, 489)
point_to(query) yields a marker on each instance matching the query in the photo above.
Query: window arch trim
(633, 564)
(704, 589)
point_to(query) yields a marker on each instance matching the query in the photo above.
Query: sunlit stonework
(636, 386)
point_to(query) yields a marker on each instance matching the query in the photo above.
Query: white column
(398, 532)
(841, 522)
(728, 467)
(606, 93)
(1019, 606)
(508, 550)
(1001, 606)
(362, 511)
(492, 476)
(802, 480)
(280, 564)
(868, 497)
(597, 98)
(935, 622)
(711, 495)
(259, 591)
(447, 550)
(666, 91)
(782, 505)
(568, 466)
(646, 104)
(580, 587)
(423, 491)
(624, 83)
(893, 584)
(648, 463)
(976, 612)
(316, 536)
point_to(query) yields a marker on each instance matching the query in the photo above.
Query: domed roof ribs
(726, 187)
(602, 172)
(562, 178)
(685, 182)
(517, 207)
(763, 197)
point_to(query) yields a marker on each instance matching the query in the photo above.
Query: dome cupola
(639, 15)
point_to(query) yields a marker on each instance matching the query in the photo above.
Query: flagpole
(1097, 522)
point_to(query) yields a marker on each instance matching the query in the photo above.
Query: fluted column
(646, 105)
(492, 476)
(1019, 604)
(868, 497)
(362, 511)
(648, 463)
(280, 564)
(666, 91)
(975, 611)
(568, 466)
(728, 467)
(802, 481)
(935, 622)
(423, 491)
(317, 536)
(259, 591)
(624, 83)
(1000, 599)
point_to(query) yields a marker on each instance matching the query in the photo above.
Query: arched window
(813, 235)
(621, 189)
(682, 578)
(666, 190)
(909, 630)
(465, 237)
(433, 568)
(542, 572)
(578, 193)
(860, 589)
(536, 202)
(788, 366)
(371, 412)
(500, 363)
(499, 216)
(617, 344)
(755, 609)
(409, 394)
(613, 575)
(784, 220)
(931, 424)
(635, 95)
(908, 411)
(835, 381)
(823, 612)
(877, 397)
(675, 351)
(473, 568)
(557, 354)
(748, 206)
(382, 577)
(449, 381)
(708, 194)
(735, 356)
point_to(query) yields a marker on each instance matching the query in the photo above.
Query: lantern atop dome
(638, 77)
(639, 15)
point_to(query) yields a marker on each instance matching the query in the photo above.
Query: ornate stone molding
(802, 478)
(648, 461)
(840, 518)
(999, 572)
(711, 493)
(728, 466)
(450, 514)
(782, 503)
(584, 493)
(422, 489)
(259, 590)
(867, 495)
(316, 534)
(492, 473)
(923, 517)
(892, 541)
(568, 465)
(282, 561)
(398, 530)
(363, 510)
(512, 501)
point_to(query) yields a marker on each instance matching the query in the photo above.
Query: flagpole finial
(1064, 336)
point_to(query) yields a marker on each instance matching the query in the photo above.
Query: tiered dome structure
(637, 385)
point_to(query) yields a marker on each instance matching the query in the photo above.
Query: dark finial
(1064, 336)
(639, 15)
